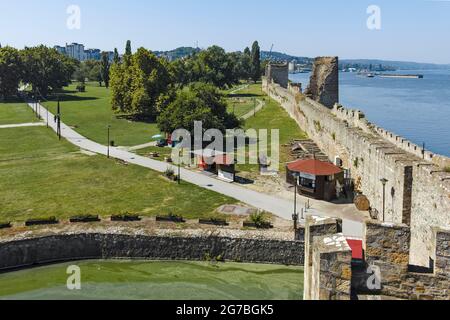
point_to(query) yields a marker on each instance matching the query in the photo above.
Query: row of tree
(180, 92)
(217, 67)
(43, 68)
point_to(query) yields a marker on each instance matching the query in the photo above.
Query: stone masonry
(384, 273)
(68, 247)
(418, 189)
(278, 73)
(324, 84)
(315, 227)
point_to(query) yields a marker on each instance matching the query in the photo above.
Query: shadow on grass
(244, 95)
(11, 100)
(70, 97)
(137, 118)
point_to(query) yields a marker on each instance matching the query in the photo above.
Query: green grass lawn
(90, 114)
(272, 116)
(42, 177)
(16, 112)
(240, 106)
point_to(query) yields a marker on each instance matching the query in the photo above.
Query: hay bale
(362, 203)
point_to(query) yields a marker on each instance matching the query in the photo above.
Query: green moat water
(145, 280)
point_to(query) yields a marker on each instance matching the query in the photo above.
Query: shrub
(5, 225)
(170, 174)
(171, 217)
(447, 169)
(260, 219)
(125, 217)
(81, 88)
(84, 218)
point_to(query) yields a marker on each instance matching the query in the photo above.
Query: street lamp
(180, 154)
(384, 181)
(109, 140)
(295, 215)
(58, 119)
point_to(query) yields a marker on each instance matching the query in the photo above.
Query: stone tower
(324, 83)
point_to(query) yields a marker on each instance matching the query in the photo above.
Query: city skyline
(409, 31)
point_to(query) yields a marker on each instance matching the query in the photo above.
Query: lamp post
(180, 152)
(58, 120)
(384, 181)
(109, 140)
(295, 215)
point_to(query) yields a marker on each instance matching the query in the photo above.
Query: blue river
(417, 109)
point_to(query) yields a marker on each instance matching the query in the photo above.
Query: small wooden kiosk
(216, 162)
(316, 179)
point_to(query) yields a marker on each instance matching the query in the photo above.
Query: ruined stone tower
(278, 73)
(324, 83)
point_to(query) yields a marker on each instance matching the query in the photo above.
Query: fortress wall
(72, 247)
(413, 195)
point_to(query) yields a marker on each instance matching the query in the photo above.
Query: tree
(197, 102)
(128, 51)
(138, 85)
(11, 71)
(246, 64)
(116, 58)
(95, 74)
(213, 66)
(46, 69)
(105, 68)
(256, 62)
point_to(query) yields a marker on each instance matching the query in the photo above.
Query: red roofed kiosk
(316, 179)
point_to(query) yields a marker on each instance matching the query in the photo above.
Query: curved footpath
(275, 205)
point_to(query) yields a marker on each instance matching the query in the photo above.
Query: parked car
(161, 143)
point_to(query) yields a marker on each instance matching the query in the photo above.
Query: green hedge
(85, 218)
(41, 221)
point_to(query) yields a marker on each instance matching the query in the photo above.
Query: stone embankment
(70, 243)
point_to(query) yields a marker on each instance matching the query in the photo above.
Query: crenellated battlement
(417, 191)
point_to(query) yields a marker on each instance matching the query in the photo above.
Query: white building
(76, 51)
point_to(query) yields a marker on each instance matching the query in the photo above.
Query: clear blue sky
(413, 30)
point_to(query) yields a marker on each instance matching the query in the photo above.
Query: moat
(144, 280)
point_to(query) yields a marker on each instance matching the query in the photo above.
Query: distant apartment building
(77, 51)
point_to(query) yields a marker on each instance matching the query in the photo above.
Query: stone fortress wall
(34, 251)
(418, 188)
(331, 274)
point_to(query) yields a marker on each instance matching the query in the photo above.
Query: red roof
(357, 248)
(314, 167)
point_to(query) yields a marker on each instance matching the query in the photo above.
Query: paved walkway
(281, 207)
(139, 147)
(21, 125)
(253, 112)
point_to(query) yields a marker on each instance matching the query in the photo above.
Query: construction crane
(270, 53)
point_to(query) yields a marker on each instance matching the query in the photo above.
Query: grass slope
(16, 112)
(44, 177)
(90, 114)
(272, 116)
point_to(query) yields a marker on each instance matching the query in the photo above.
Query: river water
(144, 280)
(416, 109)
